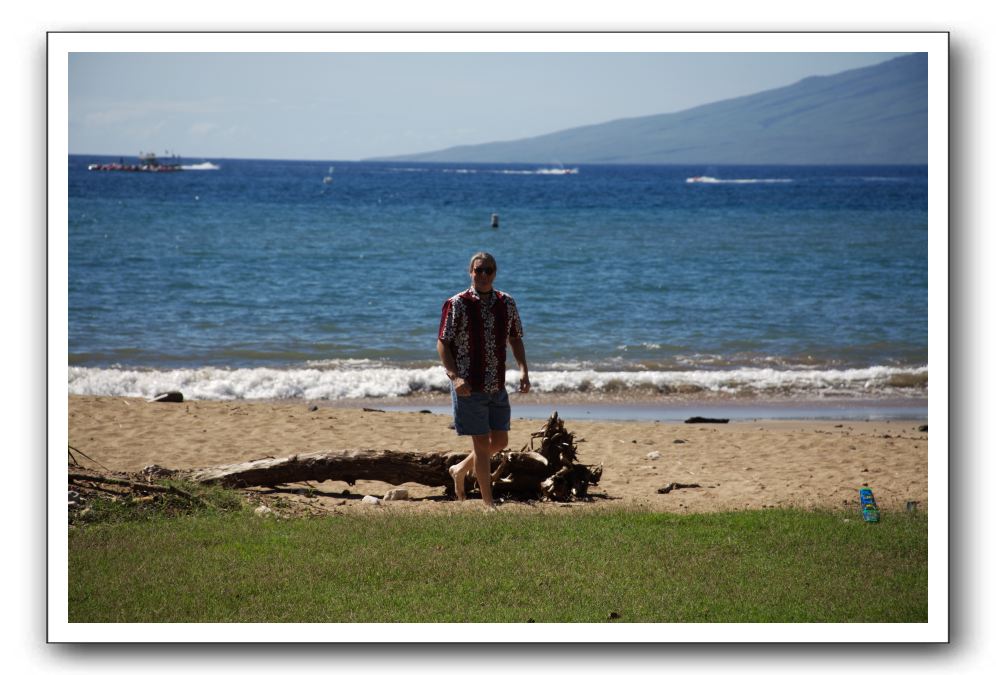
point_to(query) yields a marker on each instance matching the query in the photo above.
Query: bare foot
(490, 508)
(458, 481)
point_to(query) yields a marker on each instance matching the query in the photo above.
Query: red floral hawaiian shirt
(477, 329)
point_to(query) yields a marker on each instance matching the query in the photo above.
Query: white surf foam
(735, 181)
(358, 381)
(203, 166)
(554, 171)
(257, 383)
(877, 380)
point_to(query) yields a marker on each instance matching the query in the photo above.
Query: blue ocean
(265, 279)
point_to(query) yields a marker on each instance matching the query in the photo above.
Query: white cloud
(143, 132)
(113, 113)
(202, 128)
(103, 118)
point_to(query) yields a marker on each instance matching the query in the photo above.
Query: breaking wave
(549, 171)
(364, 379)
(747, 181)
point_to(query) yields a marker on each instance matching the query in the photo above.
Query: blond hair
(482, 255)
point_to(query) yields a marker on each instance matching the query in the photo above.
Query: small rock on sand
(167, 397)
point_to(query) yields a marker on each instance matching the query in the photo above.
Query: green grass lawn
(756, 566)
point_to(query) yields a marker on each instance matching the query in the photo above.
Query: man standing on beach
(474, 328)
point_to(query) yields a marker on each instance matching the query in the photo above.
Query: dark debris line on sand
(706, 420)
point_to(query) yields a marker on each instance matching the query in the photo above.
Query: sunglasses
(484, 270)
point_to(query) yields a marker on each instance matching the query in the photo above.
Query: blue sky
(350, 106)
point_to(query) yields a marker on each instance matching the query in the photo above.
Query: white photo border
(935, 44)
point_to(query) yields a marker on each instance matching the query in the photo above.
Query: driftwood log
(389, 466)
(549, 471)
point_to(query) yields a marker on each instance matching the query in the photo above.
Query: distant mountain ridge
(871, 115)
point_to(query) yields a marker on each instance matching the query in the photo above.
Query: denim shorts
(481, 412)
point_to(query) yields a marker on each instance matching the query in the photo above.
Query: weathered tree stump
(559, 478)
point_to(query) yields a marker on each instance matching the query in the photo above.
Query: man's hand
(519, 352)
(461, 386)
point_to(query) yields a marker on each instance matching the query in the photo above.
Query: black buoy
(494, 220)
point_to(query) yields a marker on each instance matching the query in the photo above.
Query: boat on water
(701, 179)
(148, 162)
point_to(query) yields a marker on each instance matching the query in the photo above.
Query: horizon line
(486, 163)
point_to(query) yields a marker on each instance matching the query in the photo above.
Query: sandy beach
(745, 464)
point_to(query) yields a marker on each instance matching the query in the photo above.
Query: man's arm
(449, 364)
(519, 352)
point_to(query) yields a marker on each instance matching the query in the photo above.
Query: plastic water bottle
(869, 509)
